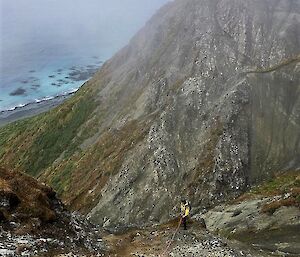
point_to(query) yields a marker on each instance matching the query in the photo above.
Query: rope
(170, 242)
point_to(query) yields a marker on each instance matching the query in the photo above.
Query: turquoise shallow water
(51, 47)
(46, 82)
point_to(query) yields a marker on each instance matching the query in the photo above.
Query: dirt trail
(277, 66)
(152, 242)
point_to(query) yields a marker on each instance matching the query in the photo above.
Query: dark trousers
(184, 220)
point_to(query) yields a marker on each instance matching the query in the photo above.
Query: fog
(62, 27)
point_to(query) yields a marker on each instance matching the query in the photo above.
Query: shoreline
(32, 109)
(73, 77)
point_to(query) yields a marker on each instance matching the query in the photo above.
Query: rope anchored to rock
(172, 239)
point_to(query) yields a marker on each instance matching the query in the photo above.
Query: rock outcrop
(247, 222)
(202, 102)
(267, 217)
(23, 199)
(33, 222)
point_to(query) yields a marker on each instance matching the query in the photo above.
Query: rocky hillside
(267, 217)
(203, 102)
(33, 222)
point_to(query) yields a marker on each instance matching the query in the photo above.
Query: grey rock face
(275, 122)
(246, 222)
(214, 83)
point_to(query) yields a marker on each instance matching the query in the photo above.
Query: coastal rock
(18, 91)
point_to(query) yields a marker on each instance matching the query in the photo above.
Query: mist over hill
(57, 45)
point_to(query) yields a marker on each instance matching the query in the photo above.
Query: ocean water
(51, 47)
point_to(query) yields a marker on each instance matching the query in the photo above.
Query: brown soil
(151, 241)
(24, 199)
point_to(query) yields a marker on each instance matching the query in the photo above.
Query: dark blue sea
(51, 47)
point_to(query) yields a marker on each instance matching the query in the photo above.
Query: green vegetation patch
(33, 144)
(61, 180)
(286, 185)
(87, 172)
(61, 130)
(281, 184)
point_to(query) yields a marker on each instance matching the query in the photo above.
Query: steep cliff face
(203, 101)
(275, 122)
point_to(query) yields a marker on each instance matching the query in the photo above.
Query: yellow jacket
(185, 210)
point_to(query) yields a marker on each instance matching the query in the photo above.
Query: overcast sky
(25, 24)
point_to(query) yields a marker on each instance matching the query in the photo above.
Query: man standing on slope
(185, 211)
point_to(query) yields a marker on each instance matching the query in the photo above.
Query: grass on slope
(80, 178)
(33, 144)
(281, 184)
(286, 185)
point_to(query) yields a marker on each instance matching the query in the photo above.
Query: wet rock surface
(19, 91)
